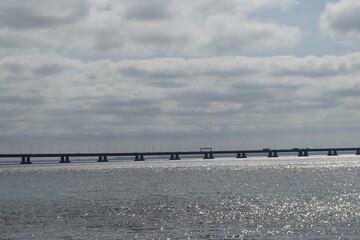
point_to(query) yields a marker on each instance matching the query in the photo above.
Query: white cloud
(142, 29)
(209, 7)
(103, 69)
(52, 95)
(341, 19)
(28, 15)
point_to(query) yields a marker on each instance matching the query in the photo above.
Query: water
(254, 198)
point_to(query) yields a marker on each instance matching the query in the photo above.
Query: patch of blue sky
(305, 16)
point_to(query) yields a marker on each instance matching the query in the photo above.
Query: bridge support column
(105, 159)
(174, 157)
(241, 155)
(23, 161)
(332, 153)
(273, 154)
(67, 159)
(28, 160)
(62, 159)
(100, 159)
(208, 156)
(139, 158)
(303, 153)
(358, 152)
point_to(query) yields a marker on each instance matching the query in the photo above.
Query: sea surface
(225, 198)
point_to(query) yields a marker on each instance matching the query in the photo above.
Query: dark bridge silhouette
(207, 153)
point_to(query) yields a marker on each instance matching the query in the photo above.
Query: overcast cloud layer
(174, 73)
(120, 29)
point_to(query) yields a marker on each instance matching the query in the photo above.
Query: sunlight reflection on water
(284, 198)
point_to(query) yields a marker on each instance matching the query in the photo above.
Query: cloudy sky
(167, 74)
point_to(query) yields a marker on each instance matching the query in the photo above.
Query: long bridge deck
(175, 155)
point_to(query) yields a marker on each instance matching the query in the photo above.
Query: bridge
(206, 153)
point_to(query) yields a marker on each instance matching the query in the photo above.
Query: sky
(118, 75)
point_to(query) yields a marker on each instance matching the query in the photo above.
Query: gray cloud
(106, 39)
(48, 70)
(159, 39)
(341, 19)
(20, 15)
(8, 42)
(148, 10)
(317, 67)
(347, 92)
(16, 100)
(244, 38)
(130, 83)
(13, 68)
(162, 74)
(228, 96)
(175, 71)
(128, 108)
(307, 106)
(140, 29)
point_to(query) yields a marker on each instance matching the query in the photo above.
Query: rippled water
(254, 198)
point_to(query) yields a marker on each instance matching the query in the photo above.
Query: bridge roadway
(209, 154)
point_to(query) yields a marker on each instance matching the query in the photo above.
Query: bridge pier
(102, 159)
(208, 156)
(174, 157)
(64, 159)
(25, 160)
(332, 153)
(241, 155)
(358, 152)
(303, 153)
(273, 154)
(139, 158)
